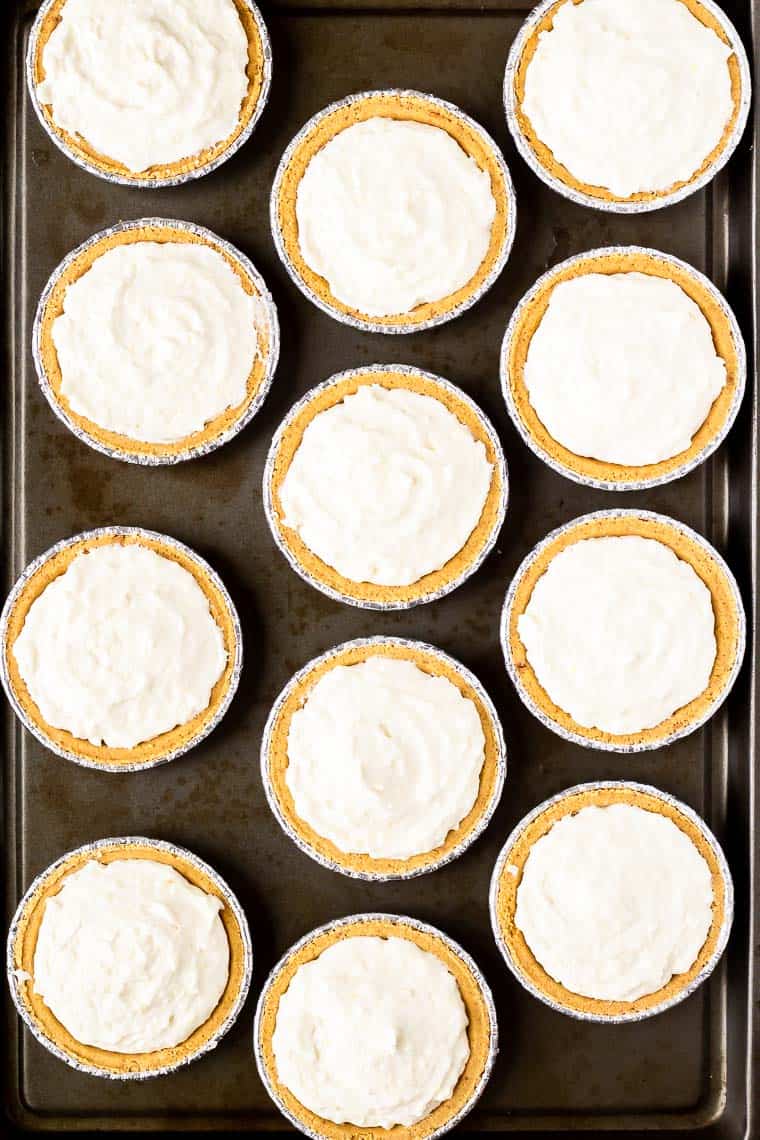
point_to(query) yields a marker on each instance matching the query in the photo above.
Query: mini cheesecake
(48, 568)
(704, 568)
(528, 316)
(168, 235)
(258, 72)
(541, 157)
(509, 875)
(327, 399)
(401, 107)
(474, 993)
(275, 759)
(23, 942)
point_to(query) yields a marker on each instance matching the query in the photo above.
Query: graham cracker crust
(54, 308)
(545, 156)
(151, 750)
(514, 866)
(80, 146)
(409, 107)
(277, 759)
(631, 261)
(328, 397)
(111, 1062)
(478, 1032)
(727, 625)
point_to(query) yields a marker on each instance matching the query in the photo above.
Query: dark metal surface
(687, 1069)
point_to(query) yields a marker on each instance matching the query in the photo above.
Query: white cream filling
(386, 486)
(384, 759)
(620, 633)
(155, 340)
(130, 956)
(372, 1033)
(120, 647)
(393, 214)
(148, 82)
(614, 902)
(629, 95)
(622, 368)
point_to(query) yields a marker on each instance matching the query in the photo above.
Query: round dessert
(128, 958)
(413, 1054)
(121, 649)
(393, 211)
(385, 487)
(627, 105)
(158, 93)
(155, 341)
(623, 368)
(623, 630)
(383, 758)
(611, 901)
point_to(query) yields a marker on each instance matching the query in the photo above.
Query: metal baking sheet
(689, 1069)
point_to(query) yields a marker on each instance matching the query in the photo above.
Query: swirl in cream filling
(384, 759)
(372, 1033)
(394, 213)
(623, 367)
(155, 340)
(146, 83)
(121, 647)
(620, 633)
(614, 901)
(630, 95)
(386, 486)
(130, 956)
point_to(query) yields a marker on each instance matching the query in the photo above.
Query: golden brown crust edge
(152, 750)
(26, 942)
(277, 759)
(366, 591)
(506, 901)
(406, 107)
(545, 156)
(727, 625)
(49, 357)
(633, 261)
(82, 149)
(479, 1029)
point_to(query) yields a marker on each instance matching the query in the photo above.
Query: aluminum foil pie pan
(502, 865)
(401, 921)
(335, 654)
(170, 180)
(556, 464)
(614, 205)
(205, 572)
(231, 902)
(267, 314)
(366, 324)
(611, 746)
(271, 513)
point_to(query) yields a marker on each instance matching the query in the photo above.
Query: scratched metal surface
(684, 1069)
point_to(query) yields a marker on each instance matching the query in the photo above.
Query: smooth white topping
(384, 759)
(386, 486)
(373, 1033)
(623, 368)
(630, 95)
(156, 339)
(146, 82)
(620, 633)
(130, 956)
(614, 901)
(120, 647)
(393, 214)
